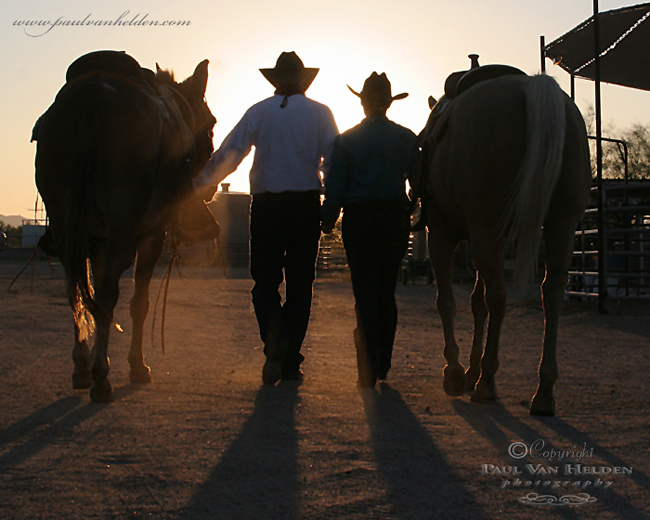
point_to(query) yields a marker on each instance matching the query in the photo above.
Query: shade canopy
(624, 48)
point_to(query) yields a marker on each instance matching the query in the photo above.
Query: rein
(175, 261)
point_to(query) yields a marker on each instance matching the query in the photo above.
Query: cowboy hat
(289, 69)
(377, 88)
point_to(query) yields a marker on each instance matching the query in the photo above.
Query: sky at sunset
(416, 42)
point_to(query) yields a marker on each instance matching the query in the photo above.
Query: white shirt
(292, 144)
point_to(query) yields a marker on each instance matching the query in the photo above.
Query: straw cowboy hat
(289, 69)
(377, 89)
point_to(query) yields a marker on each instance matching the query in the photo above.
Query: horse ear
(432, 102)
(158, 69)
(200, 76)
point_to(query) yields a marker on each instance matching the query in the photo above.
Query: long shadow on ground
(47, 425)
(420, 480)
(258, 468)
(609, 497)
(492, 421)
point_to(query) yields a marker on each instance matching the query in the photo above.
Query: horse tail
(77, 235)
(538, 174)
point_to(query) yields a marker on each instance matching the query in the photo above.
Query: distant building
(33, 230)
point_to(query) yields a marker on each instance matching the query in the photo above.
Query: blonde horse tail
(538, 174)
(77, 240)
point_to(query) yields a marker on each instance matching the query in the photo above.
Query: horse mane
(165, 76)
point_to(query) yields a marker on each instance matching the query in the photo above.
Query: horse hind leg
(441, 252)
(81, 378)
(480, 312)
(148, 254)
(108, 266)
(490, 268)
(559, 247)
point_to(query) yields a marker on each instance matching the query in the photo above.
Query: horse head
(190, 99)
(192, 221)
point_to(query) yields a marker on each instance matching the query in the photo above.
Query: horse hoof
(454, 381)
(471, 378)
(484, 393)
(541, 413)
(81, 380)
(540, 409)
(101, 392)
(141, 374)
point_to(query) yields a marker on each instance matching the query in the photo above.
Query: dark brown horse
(508, 161)
(116, 154)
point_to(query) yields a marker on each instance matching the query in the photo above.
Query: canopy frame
(607, 47)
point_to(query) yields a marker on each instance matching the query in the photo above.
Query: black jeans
(375, 235)
(285, 231)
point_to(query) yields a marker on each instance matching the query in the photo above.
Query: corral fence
(331, 254)
(625, 240)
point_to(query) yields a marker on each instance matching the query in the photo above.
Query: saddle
(459, 82)
(456, 84)
(117, 63)
(484, 73)
(111, 62)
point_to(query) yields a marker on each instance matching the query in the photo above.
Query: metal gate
(625, 240)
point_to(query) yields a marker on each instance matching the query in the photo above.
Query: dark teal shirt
(370, 162)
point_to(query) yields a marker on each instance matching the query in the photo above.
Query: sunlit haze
(416, 42)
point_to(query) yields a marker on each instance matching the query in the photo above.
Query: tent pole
(573, 86)
(602, 257)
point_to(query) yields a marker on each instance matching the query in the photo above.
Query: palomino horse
(507, 159)
(116, 154)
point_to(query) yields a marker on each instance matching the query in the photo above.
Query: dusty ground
(207, 440)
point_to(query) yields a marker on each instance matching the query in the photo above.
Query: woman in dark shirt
(370, 164)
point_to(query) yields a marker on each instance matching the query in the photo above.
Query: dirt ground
(207, 440)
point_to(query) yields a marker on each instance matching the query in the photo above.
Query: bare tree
(637, 139)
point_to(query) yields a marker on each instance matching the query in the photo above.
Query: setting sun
(417, 44)
(337, 70)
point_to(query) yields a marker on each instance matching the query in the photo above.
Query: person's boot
(272, 371)
(366, 377)
(275, 352)
(292, 374)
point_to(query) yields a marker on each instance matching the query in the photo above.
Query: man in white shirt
(293, 138)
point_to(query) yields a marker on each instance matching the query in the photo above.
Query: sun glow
(416, 43)
(232, 90)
